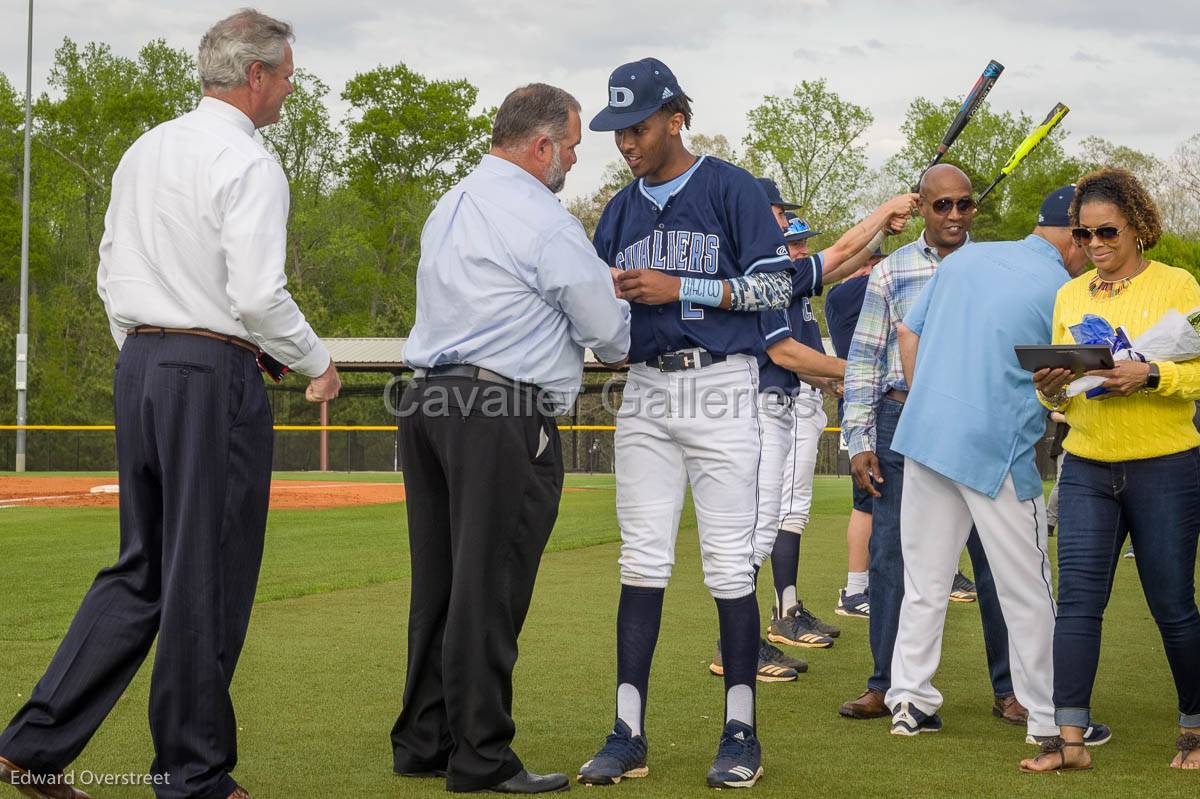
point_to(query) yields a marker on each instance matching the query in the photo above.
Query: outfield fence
(360, 435)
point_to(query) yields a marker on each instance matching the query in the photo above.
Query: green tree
(589, 206)
(983, 147)
(409, 140)
(812, 144)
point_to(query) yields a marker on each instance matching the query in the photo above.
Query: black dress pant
(483, 477)
(194, 445)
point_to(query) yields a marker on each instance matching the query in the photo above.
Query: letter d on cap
(620, 97)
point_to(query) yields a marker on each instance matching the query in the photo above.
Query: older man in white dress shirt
(192, 277)
(509, 293)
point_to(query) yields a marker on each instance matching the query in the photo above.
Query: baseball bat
(974, 98)
(1035, 137)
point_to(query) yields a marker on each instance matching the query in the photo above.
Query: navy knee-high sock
(639, 615)
(785, 564)
(739, 651)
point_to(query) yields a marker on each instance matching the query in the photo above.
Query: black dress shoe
(524, 782)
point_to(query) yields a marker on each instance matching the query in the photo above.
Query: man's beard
(556, 176)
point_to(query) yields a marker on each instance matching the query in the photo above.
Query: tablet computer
(1079, 358)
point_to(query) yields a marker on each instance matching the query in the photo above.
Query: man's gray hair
(530, 111)
(232, 45)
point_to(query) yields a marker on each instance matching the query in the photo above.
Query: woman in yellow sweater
(1132, 467)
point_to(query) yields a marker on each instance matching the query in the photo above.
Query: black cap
(773, 195)
(798, 230)
(635, 91)
(1055, 208)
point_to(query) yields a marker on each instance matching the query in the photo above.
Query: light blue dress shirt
(972, 414)
(508, 281)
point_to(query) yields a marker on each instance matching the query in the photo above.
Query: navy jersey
(807, 281)
(842, 306)
(716, 225)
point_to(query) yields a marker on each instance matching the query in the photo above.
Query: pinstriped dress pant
(194, 446)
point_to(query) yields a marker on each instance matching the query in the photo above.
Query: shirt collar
(501, 166)
(1046, 248)
(931, 252)
(218, 107)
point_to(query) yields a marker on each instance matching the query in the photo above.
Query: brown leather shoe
(868, 706)
(38, 786)
(1009, 710)
(239, 793)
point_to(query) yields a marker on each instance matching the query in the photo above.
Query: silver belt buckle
(691, 358)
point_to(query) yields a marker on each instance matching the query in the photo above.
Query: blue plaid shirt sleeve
(866, 367)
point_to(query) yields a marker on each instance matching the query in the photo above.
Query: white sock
(739, 705)
(856, 582)
(787, 601)
(629, 707)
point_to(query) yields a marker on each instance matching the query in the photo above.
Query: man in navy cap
(707, 272)
(956, 346)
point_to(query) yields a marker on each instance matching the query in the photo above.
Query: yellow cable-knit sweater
(1146, 424)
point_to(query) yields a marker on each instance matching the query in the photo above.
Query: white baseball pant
(936, 515)
(777, 420)
(697, 427)
(801, 461)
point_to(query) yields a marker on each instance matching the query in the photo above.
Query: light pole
(23, 325)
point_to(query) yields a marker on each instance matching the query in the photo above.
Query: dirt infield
(77, 492)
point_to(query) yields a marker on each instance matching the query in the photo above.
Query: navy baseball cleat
(773, 665)
(856, 606)
(1096, 734)
(963, 590)
(738, 763)
(798, 627)
(623, 755)
(907, 720)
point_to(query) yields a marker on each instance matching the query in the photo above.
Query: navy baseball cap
(635, 91)
(1055, 208)
(798, 230)
(773, 195)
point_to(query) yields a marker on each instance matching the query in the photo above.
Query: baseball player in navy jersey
(792, 420)
(708, 274)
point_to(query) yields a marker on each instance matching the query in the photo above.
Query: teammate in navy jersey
(842, 306)
(792, 419)
(707, 271)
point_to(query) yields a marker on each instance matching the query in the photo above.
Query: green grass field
(321, 677)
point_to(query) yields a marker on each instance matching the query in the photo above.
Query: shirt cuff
(1168, 378)
(315, 363)
(859, 441)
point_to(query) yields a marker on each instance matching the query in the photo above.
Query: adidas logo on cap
(667, 93)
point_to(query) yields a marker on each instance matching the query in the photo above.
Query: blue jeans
(887, 568)
(1157, 503)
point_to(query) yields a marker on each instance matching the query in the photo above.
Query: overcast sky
(1129, 71)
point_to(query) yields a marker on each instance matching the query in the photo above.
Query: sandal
(1186, 744)
(1057, 746)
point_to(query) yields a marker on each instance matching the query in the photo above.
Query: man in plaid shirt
(874, 397)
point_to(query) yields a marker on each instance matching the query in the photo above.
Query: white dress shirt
(508, 281)
(195, 236)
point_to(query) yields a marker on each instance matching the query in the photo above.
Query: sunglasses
(1106, 233)
(942, 205)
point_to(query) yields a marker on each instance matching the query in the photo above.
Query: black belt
(697, 358)
(469, 372)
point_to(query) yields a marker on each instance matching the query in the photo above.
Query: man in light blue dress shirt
(509, 294)
(968, 433)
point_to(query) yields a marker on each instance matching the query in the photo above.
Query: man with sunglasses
(956, 346)
(875, 392)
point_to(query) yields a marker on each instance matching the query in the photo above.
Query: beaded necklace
(1104, 289)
